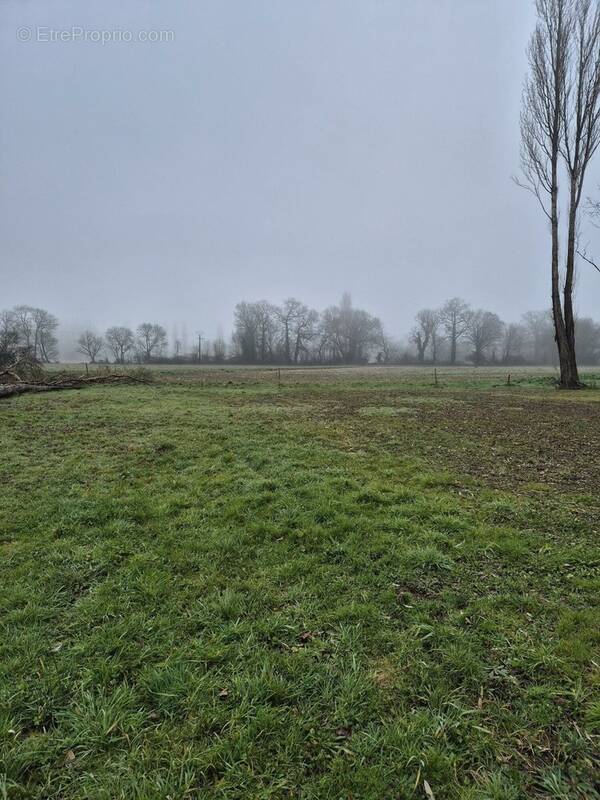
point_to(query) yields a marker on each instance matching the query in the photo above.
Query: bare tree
(560, 128)
(245, 331)
(483, 331)
(120, 340)
(90, 345)
(47, 343)
(455, 317)
(298, 326)
(349, 333)
(23, 322)
(255, 331)
(287, 315)
(151, 341)
(512, 345)
(266, 330)
(36, 331)
(424, 333)
(389, 349)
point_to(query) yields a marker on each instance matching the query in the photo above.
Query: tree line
(457, 331)
(148, 343)
(293, 333)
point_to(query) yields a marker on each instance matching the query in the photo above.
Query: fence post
(435, 379)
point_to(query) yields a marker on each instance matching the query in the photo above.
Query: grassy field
(352, 585)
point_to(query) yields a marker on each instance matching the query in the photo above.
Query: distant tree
(266, 330)
(286, 315)
(560, 130)
(151, 341)
(455, 316)
(90, 345)
(298, 325)
(245, 331)
(388, 349)
(540, 334)
(36, 332)
(483, 331)
(512, 344)
(24, 325)
(349, 333)
(255, 331)
(425, 331)
(121, 341)
(47, 343)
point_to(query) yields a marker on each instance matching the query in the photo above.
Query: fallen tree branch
(11, 369)
(24, 370)
(11, 374)
(21, 387)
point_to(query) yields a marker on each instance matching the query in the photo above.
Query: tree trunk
(560, 333)
(564, 322)
(569, 376)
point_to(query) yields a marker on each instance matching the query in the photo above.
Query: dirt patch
(538, 441)
(506, 439)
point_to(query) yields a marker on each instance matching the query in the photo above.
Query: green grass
(343, 588)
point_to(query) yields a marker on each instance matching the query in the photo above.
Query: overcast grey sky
(272, 148)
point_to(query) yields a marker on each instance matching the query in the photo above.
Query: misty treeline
(458, 333)
(28, 332)
(293, 333)
(454, 333)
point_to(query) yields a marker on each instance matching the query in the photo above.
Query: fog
(268, 149)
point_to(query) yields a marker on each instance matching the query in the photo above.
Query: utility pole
(200, 346)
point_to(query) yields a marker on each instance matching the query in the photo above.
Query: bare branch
(585, 257)
(534, 191)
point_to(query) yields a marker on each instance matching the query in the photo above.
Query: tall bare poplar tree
(560, 132)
